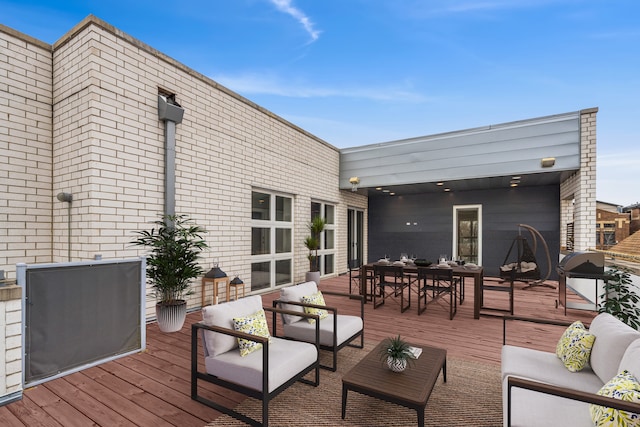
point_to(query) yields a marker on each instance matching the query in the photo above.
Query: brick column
(10, 343)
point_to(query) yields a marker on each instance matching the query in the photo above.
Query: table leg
(420, 416)
(477, 296)
(444, 370)
(344, 401)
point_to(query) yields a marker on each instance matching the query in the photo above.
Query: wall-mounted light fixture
(354, 181)
(548, 162)
(65, 197)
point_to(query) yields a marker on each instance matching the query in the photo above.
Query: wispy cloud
(287, 7)
(265, 84)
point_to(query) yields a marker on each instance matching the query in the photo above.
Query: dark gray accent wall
(432, 214)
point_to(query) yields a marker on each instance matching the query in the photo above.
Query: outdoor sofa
(538, 390)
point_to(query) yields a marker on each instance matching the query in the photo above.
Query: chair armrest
(274, 310)
(567, 393)
(531, 320)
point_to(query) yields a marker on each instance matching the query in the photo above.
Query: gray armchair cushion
(286, 359)
(295, 293)
(305, 331)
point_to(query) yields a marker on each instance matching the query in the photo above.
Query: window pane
(283, 272)
(260, 241)
(315, 210)
(328, 239)
(283, 240)
(283, 209)
(329, 215)
(260, 206)
(328, 263)
(260, 275)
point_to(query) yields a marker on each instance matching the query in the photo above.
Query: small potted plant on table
(396, 352)
(175, 245)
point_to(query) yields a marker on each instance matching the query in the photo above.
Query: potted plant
(176, 244)
(619, 298)
(396, 352)
(312, 243)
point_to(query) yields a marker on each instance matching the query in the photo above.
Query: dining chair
(354, 275)
(438, 282)
(390, 282)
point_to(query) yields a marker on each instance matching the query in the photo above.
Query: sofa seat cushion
(546, 367)
(295, 293)
(286, 359)
(348, 326)
(532, 409)
(222, 315)
(612, 339)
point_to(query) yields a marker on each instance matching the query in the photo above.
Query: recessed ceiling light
(392, 194)
(440, 184)
(385, 191)
(516, 177)
(514, 184)
(378, 188)
(447, 189)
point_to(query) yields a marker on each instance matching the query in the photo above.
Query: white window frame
(272, 224)
(323, 251)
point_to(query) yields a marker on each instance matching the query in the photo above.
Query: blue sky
(357, 72)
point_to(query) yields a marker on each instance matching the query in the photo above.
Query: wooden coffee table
(410, 388)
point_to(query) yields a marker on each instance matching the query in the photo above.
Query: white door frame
(478, 209)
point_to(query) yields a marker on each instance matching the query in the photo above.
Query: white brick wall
(25, 151)
(108, 151)
(10, 345)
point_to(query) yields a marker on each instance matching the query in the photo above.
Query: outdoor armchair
(336, 330)
(262, 374)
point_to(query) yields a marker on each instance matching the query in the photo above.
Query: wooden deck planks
(152, 388)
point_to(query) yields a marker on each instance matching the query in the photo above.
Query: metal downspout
(171, 113)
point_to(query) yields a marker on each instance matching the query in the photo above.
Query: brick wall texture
(89, 126)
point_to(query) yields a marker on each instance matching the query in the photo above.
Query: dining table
(462, 271)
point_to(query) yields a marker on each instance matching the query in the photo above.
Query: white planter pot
(171, 316)
(396, 365)
(312, 276)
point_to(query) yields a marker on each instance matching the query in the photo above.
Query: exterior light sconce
(548, 162)
(65, 197)
(354, 181)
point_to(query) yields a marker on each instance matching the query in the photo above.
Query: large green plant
(312, 242)
(619, 298)
(176, 244)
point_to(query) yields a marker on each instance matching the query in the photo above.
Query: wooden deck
(153, 388)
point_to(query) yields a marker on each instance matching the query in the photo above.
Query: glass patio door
(355, 227)
(467, 233)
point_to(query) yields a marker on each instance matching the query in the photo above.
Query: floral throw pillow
(574, 347)
(316, 299)
(623, 386)
(254, 324)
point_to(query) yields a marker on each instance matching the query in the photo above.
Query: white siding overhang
(485, 157)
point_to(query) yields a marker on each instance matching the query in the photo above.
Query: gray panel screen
(80, 314)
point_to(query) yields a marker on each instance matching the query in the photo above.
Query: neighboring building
(82, 117)
(611, 227)
(634, 212)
